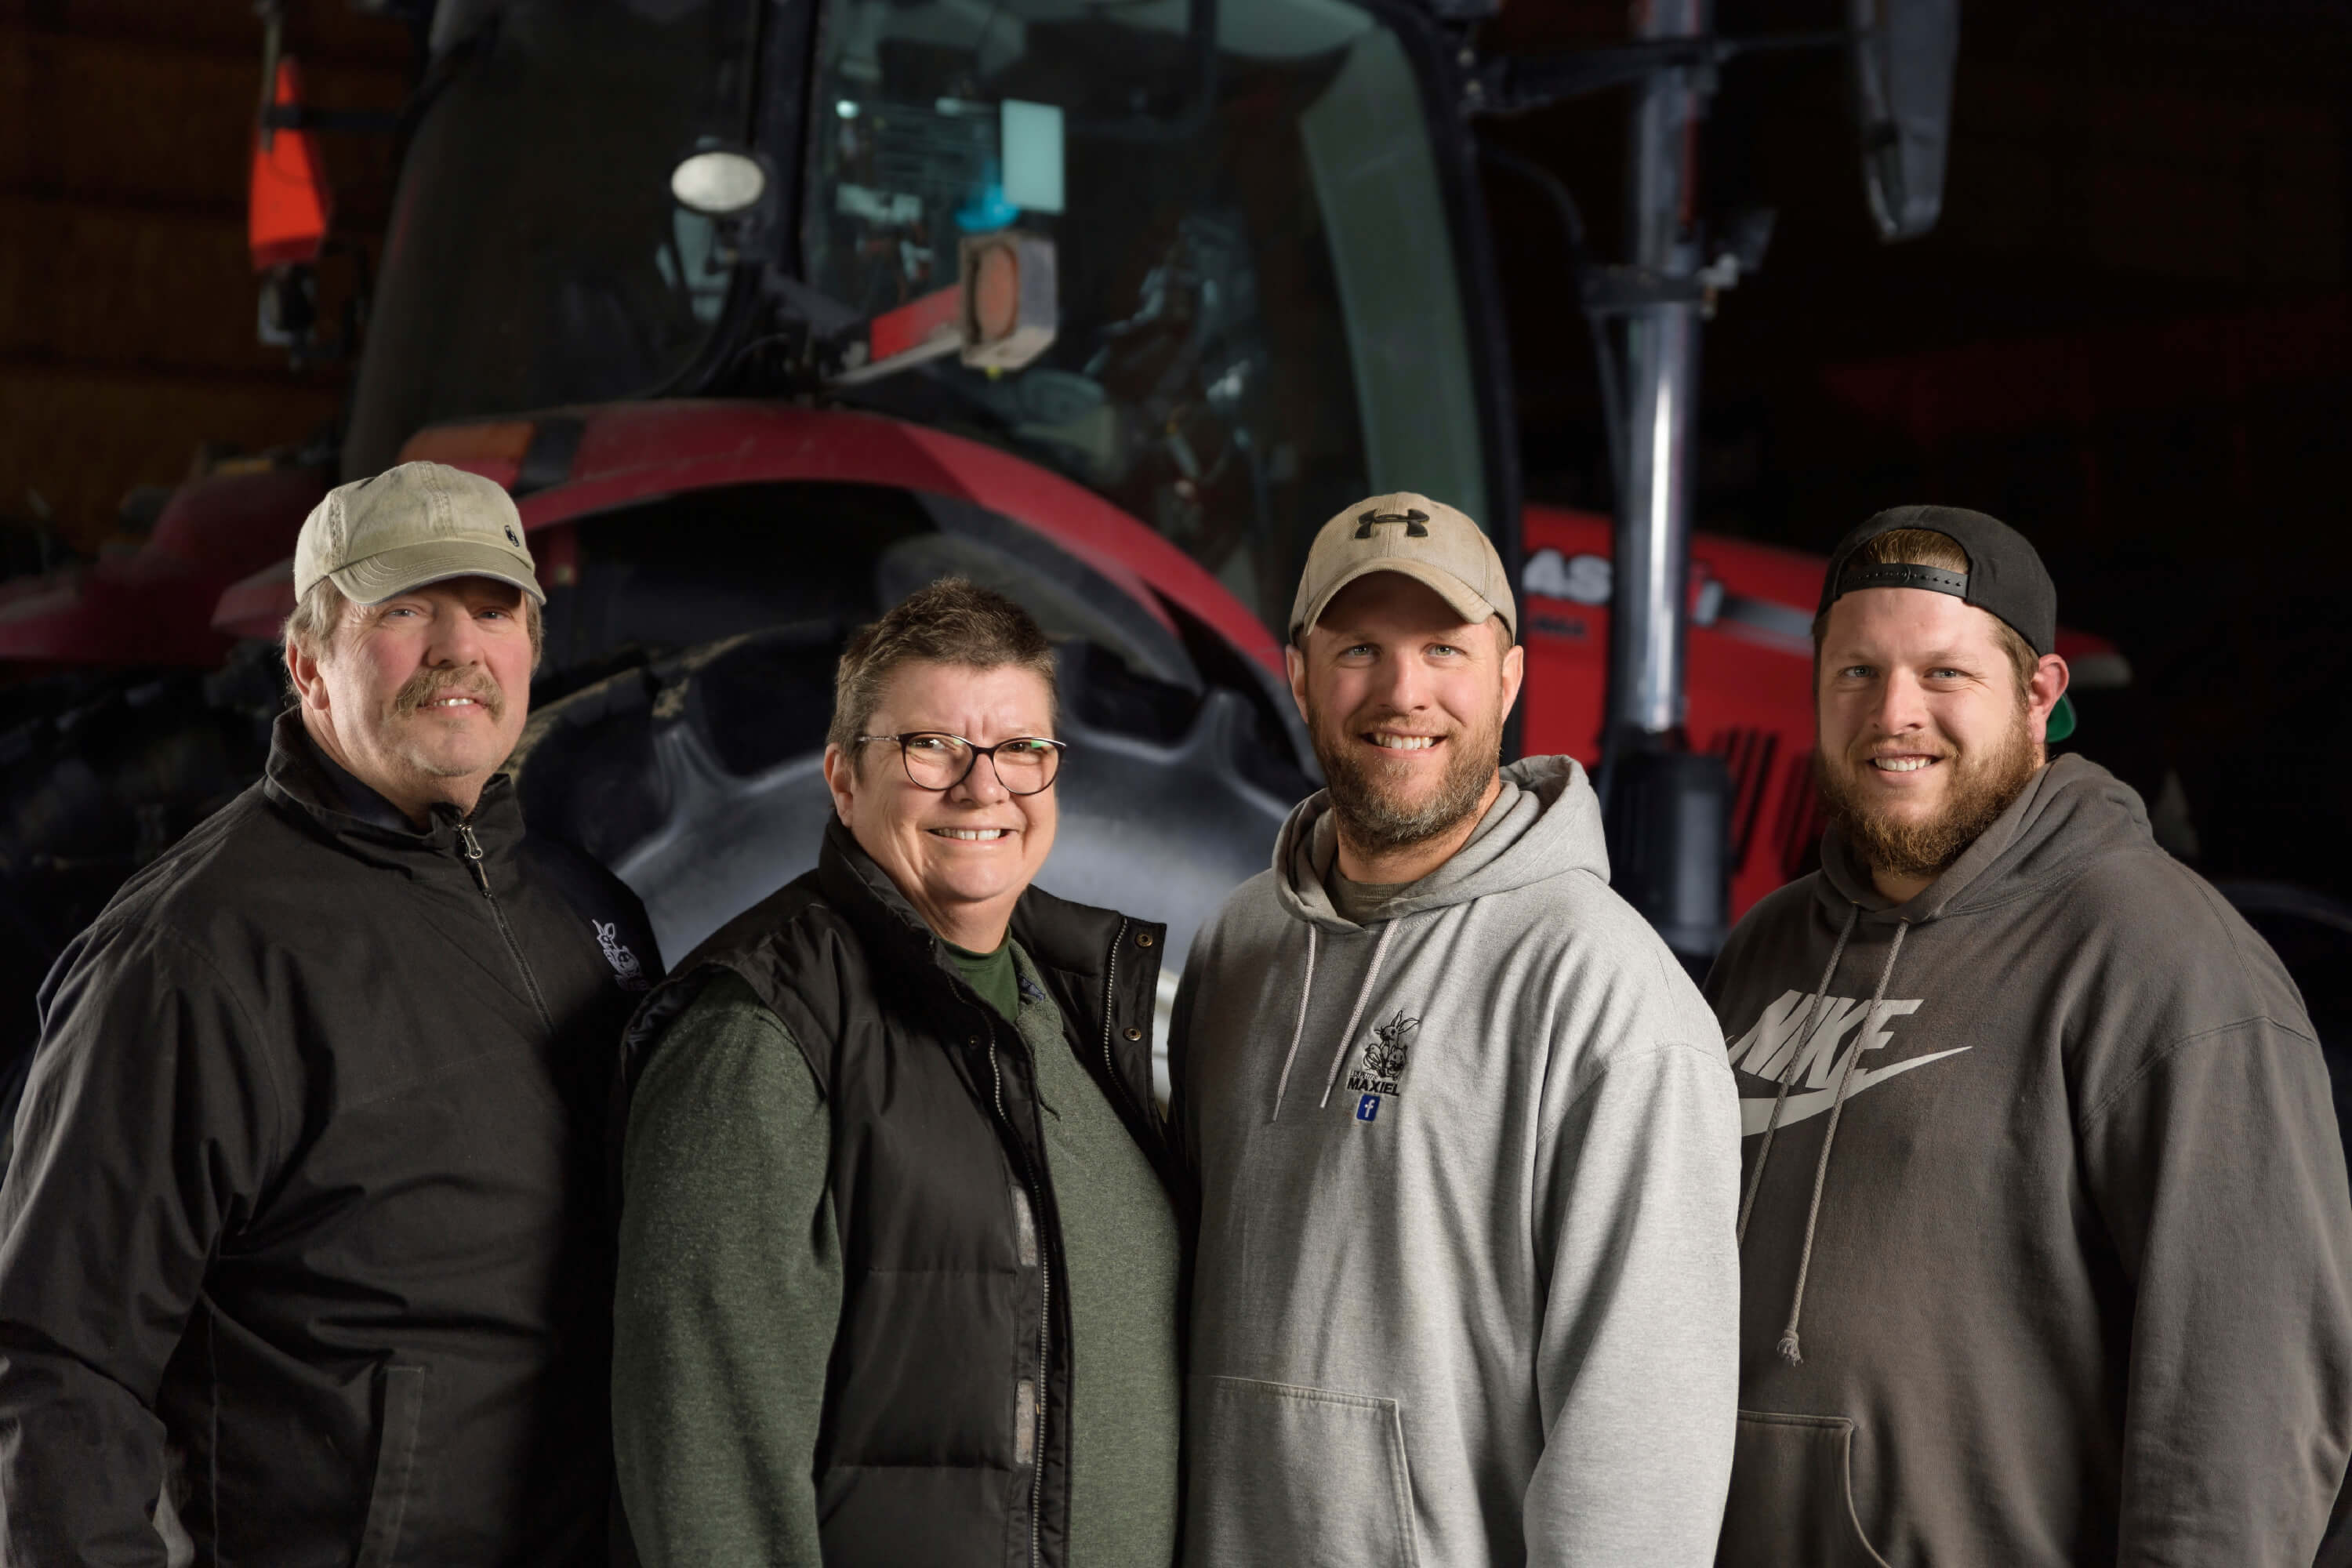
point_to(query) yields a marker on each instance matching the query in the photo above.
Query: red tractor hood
(571, 463)
(154, 606)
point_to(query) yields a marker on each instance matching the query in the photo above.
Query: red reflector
(493, 449)
(287, 219)
(913, 324)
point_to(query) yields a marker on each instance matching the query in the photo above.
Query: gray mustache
(429, 686)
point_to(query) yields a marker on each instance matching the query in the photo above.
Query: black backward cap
(2005, 575)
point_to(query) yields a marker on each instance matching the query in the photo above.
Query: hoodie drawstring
(1306, 990)
(1363, 994)
(1788, 1347)
(1819, 1000)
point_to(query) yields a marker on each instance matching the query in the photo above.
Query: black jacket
(953, 1310)
(309, 1185)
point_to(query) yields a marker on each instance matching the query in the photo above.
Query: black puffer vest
(936, 1448)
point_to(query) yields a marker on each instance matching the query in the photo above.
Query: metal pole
(1647, 622)
(1666, 809)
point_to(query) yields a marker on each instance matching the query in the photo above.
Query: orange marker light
(287, 219)
(995, 293)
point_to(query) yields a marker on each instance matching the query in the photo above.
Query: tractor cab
(1257, 218)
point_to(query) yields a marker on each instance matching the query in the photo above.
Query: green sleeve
(730, 1292)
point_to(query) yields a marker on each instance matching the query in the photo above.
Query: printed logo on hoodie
(1764, 1051)
(1381, 1067)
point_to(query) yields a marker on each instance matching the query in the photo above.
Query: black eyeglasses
(1024, 764)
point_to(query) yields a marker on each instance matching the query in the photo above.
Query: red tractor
(768, 312)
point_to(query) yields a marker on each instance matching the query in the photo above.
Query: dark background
(2129, 336)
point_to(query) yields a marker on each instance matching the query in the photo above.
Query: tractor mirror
(719, 182)
(1903, 55)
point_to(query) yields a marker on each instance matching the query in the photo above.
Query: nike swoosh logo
(1755, 1113)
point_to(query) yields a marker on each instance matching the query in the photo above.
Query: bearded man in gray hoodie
(1464, 1146)
(2076, 1285)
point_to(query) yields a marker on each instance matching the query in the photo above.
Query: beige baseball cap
(1426, 539)
(417, 523)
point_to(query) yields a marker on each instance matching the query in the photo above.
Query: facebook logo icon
(1368, 1108)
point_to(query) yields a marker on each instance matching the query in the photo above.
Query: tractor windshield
(535, 254)
(1260, 318)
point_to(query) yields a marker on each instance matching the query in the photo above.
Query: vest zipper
(1110, 987)
(1045, 1312)
(472, 848)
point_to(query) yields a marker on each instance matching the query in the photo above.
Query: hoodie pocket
(1792, 1495)
(1290, 1475)
(395, 1463)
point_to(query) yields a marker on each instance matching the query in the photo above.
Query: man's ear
(310, 681)
(1293, 659)
(2051, 678)
(1515, 673)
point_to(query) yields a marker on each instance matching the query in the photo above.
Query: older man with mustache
(2046, 1242)
(306, 1209)
(1463, 1144)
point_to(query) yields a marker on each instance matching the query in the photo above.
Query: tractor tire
(697, 779)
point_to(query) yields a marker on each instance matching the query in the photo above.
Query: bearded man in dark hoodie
(2044, 1231)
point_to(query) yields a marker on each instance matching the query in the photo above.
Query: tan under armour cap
(1427, 541)
(417, 523)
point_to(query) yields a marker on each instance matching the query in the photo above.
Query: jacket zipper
(1044, 1314)
(1045, 1272)
(473, 852)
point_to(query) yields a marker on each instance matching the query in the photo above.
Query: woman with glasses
(898, 1268)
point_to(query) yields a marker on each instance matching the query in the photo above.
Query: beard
(1367, 797)
(1983, 787)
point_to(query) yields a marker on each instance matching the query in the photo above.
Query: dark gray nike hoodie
(2077, 1268)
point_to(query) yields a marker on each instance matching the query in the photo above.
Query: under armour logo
(1415, 520)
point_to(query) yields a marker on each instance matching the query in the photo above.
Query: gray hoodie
(2079, 1288)
(1466, 1291)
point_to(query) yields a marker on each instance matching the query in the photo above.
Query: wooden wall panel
(127, 299)
(335, 31)
(79, 437)
(127, 286)
(130, 120)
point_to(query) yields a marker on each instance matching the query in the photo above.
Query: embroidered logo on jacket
(1381, 1064)
(626, 971)
(1764, 1052)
